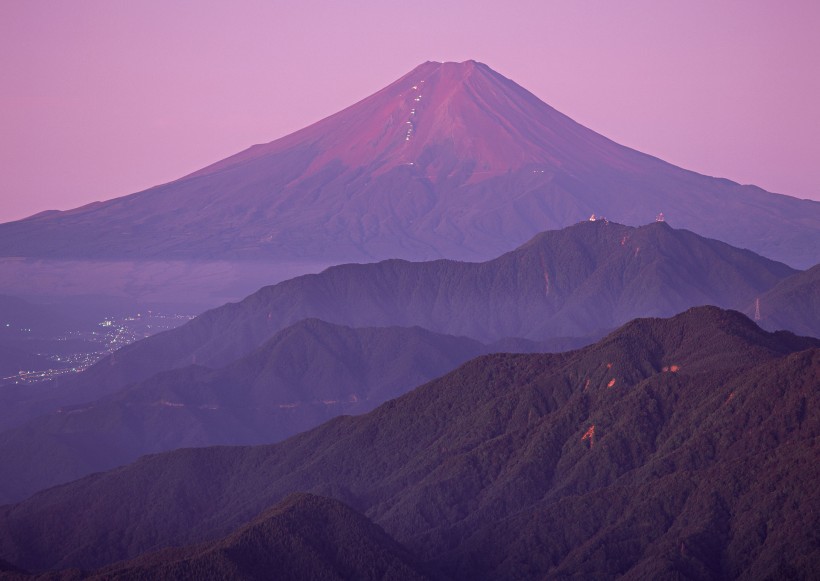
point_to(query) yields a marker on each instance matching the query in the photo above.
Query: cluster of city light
(114, 334)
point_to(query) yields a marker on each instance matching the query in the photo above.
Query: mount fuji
(451, 160)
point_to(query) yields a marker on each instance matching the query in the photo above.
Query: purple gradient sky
(102, 98)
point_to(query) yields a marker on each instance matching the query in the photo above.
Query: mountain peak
(707, 337)
(428, 121)
(467, 65)
(452, 69)
(451, 160)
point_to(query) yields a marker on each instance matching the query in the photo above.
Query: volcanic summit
(451, 160)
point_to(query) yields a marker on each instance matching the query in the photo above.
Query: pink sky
(102, 98)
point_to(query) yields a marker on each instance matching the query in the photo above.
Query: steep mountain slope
(451, 160)
(303, 376)
(577, 281)
(304, 537)
(673, 448)
(793, 304)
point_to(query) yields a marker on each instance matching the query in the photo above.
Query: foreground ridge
(705, 429)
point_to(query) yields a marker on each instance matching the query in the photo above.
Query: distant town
(110, 334)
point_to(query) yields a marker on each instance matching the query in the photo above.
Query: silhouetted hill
(577, 281)
(303, 537)
(793, 304)
(303, 376)
(580, 281)
(673, 448)
(452, 160)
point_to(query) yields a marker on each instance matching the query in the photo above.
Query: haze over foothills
(102, 99)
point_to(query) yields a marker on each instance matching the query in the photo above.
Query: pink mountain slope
(451, 160)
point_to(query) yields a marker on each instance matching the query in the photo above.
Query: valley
(77, 350)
